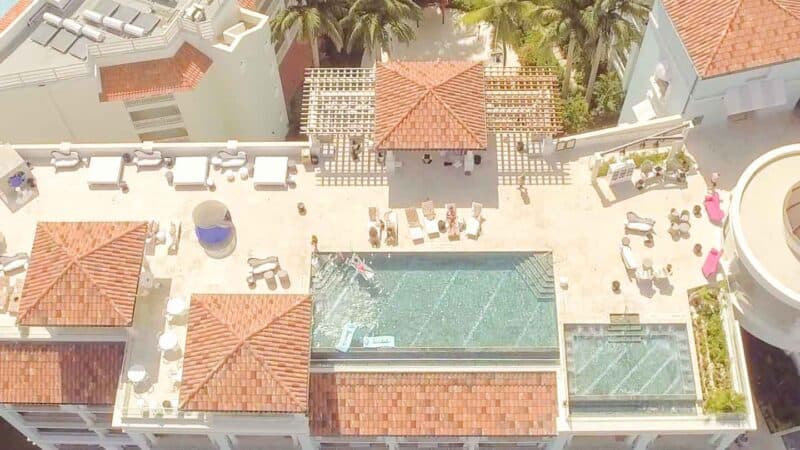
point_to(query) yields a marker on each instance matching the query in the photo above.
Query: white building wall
(661, 44)
(68, 110)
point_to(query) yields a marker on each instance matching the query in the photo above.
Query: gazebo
(451, 107)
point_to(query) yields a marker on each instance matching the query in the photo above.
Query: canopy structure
(430, 105)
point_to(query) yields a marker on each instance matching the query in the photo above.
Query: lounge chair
(144, 159)
(643, 274)
(453, 230)
(414, 228)
(661, 273)
(390, 219)
(374, 227)
(474, 221)
(64, 160)
(429, 218)
(713, 209)
(639, 224)
(628, 258)
(13, 263)
(225, 160)
(261, 267)
(173, 237)
(711, 264)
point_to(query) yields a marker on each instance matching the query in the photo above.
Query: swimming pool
(6, 5)
(629, 369)
(424, 301)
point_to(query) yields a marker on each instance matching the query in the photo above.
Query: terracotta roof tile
(430, 106)
(247, 353)
(156, 77)
(11, 15)
(60, 373)
(83, 274)
(433, 404)
(724, 36)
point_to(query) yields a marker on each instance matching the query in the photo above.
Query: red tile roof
(724, 36)
(11, 15)
(433, 404)
(430, 106)
(83, 274)
(156, 77)
(60, 373)
(247, 353)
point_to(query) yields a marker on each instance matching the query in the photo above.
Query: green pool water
(437, 300)
(629, 369)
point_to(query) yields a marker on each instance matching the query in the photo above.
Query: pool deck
(563, 213)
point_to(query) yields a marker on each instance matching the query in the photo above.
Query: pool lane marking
(635, 367)
(653, 377)
(604, 372)
(486, 308)
(436, 305)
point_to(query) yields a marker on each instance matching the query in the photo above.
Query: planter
(615, 286)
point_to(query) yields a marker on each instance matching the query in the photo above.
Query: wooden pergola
(523, 100)
(341, 101)
(338, 102)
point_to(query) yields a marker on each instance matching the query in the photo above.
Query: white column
(560, 442)
(141, 440)
(305, 442)
(221, 441)
(722, 441)
(642, 441)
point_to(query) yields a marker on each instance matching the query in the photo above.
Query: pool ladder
(537, 272)
(625, 332)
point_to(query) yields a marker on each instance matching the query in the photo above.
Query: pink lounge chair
(713, 209)
(712, 262)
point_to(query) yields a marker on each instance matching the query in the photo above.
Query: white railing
(41, 76)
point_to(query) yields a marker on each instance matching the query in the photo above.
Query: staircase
(625, 328)
(537, 272)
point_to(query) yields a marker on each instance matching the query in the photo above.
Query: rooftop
(422, 106)
(759, 221)
(60, 373)
(83, 274)
(155, 77)
(433, 404)
(725, 36)
(247, 353)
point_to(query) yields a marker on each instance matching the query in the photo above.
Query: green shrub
(608, 95)
(638, 158)
(576, 114)
(460, 5)
(532, 51)
(725, 401)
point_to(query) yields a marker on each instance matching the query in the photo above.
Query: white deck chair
(474, 221)
(144, 159)
(260, 266)
(628, 258)
(639, 224)
(414, 228)
(13, 263)
(64, 160)
(429, 218)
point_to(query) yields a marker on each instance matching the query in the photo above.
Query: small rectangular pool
(423, 301)
(629, 369)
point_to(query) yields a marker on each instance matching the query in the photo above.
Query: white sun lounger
(144, 159)
(414, 228)
(270, 170)
(639, 224)
(67, 160)
(429, 218)
(474, 220)
(13, 263)
(190, 171)
(105, 171)
(628, 258)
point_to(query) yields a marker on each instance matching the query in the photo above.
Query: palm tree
(562, 22)
(373, 24)
(505, 16)
(316, 19)
(612, 21)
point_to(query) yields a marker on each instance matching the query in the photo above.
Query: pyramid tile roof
(155, 77)
(83, 274)
(724, 36)
(247, 353)
(433, 404)
(421, 105)
(84, 373)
